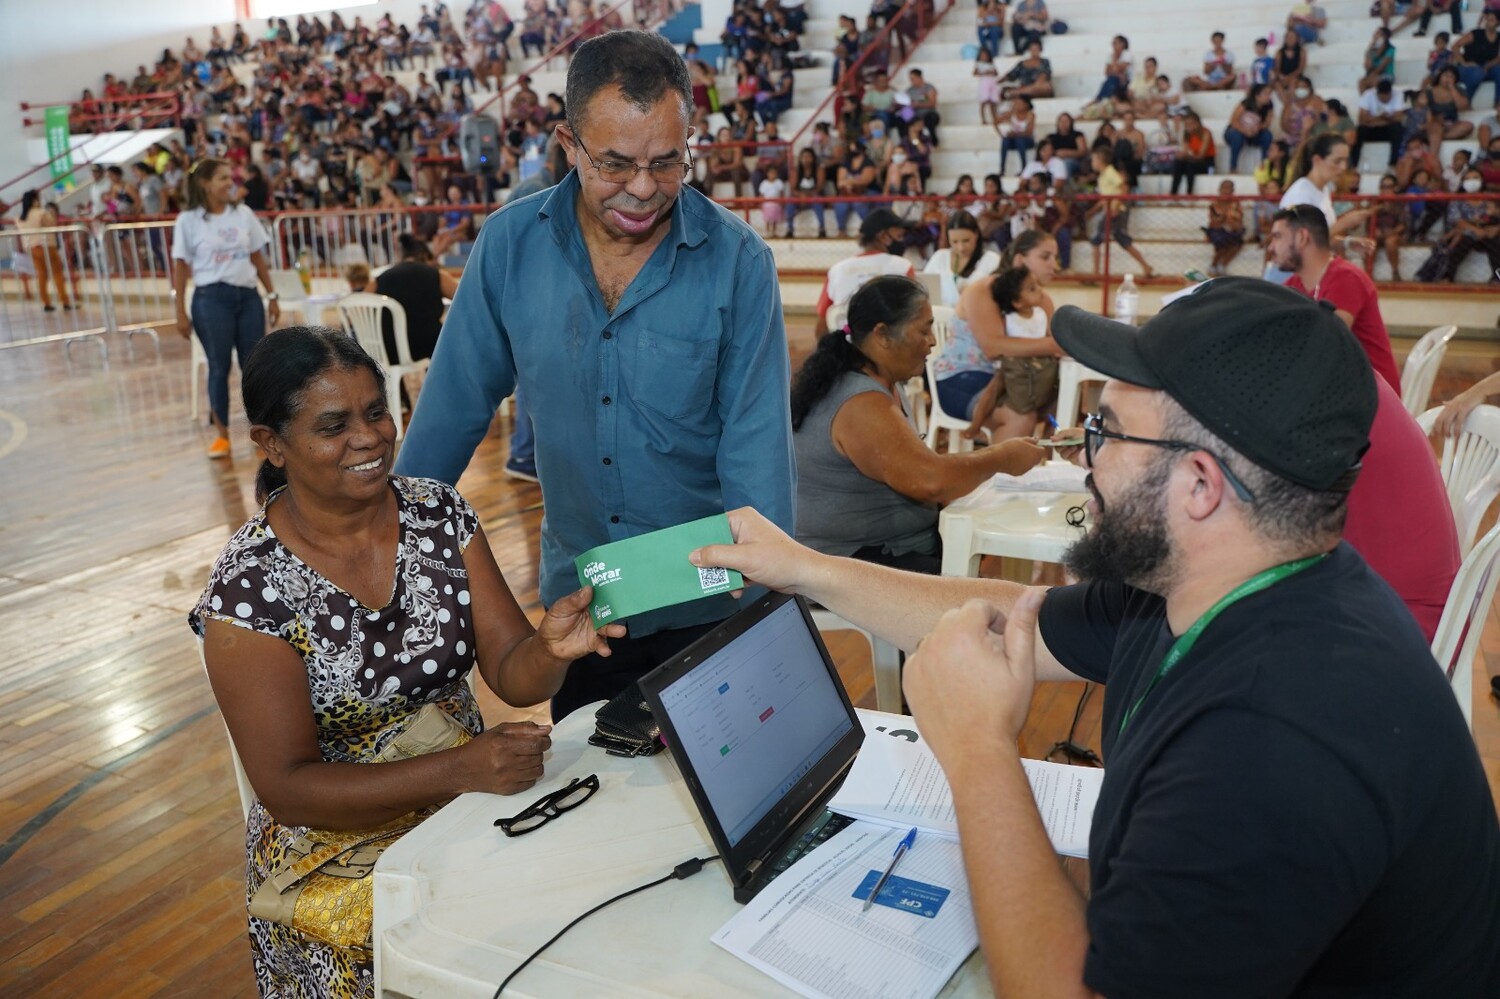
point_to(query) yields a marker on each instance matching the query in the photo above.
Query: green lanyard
(1184, 644)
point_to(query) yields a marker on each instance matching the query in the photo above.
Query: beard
(1128, 542)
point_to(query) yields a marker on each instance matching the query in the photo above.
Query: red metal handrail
(852, 74)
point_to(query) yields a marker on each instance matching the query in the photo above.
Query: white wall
(51, 49)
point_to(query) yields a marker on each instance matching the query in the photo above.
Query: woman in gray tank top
(867, 485)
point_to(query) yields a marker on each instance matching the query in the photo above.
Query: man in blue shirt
(643, 323)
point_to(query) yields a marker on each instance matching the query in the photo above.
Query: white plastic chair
(242, 782)
(937, 417)
(1070, 378)
(1457, 640)
(362, 317)
(1422, 366)
(1470, 465)
(884, 657)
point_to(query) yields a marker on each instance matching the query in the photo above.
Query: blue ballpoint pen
(901, 848)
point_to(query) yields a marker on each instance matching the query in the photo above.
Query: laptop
(762, 729)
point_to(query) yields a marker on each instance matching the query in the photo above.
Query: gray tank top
(839, 509)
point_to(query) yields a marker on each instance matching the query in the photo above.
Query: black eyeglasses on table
(1094, 436)
(550, 806)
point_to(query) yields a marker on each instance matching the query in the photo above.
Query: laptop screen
(757, 715)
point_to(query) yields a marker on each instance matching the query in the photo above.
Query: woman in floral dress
(353, 598)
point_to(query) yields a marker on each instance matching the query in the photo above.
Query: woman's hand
(506, 759)
(1021, 454)
(273, 312)
(567, 631)
(1450, 422)
(184, 325)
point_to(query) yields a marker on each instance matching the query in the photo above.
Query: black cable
(1067, 746)
(686, 869)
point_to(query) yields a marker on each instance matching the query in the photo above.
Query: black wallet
(626, 727)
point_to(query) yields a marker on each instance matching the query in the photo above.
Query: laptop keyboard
(818, 833)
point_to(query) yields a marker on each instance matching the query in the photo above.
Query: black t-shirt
(1296, 809)
(419, 289)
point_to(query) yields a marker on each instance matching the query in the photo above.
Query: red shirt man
(1353, 294)
(1399, 517)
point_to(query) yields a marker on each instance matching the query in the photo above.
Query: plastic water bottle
(1127, 300)
(304, 271)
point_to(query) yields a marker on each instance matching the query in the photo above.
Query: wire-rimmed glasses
(550, 806)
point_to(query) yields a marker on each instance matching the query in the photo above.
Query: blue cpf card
(900, 893)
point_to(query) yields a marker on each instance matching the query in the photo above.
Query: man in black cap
(882, 248)
(1292, 803)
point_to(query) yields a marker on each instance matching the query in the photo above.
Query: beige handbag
(323, 888)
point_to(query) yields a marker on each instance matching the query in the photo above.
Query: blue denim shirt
(672, 408)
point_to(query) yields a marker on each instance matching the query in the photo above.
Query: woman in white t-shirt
(220, 244)
(964, 260)
(1319, 164)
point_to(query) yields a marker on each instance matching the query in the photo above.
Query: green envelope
(652, 570)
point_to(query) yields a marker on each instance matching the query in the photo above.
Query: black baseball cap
(1276, 375)
(878, 222)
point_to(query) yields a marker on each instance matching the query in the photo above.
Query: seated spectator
(1453, 174)
(1226, 228)
(1029, 22)
(1250, 124)
(1301, 112)
(1142, 85)
(1478, 55)
(1031, 77)
(1423, 214)
(867, 486)
(1025, 381)
(1381, 111)
(1069, 144)
(1016, 128)
(882, 250)
(457, 223)
(774, 102)
(978, 337)
(1416, 157)
(1117, 70)
(1195, 153)
(1263, 67)
(1218, 68)
(990, 24)
(420, 287)
(313, 703)
(922, 99)
(1380, 60)
(809, 178)
(856, 176)
(726, 164)
(879, 102)
(963, 260)
(1307, 21)
(1445, 99)
(1291, 64)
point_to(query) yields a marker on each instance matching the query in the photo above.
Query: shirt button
(608, 335)
(608, 461)
(607, 400)
(614, 520)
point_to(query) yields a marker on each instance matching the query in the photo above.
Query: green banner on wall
(60, 146)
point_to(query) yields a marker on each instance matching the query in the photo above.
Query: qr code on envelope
(711, 577)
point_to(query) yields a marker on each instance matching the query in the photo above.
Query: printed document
(899, 783)
(809, 931)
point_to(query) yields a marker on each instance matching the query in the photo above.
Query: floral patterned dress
(369, 670)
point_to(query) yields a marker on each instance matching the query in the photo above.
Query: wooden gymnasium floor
(120, 833)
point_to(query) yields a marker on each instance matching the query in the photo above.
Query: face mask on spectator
(898, 157)
(1473, 184)
(1304, 92)
(876, 133)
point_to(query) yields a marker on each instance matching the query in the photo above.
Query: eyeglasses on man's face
(1094, 436)
(615, 171)
(550, 806)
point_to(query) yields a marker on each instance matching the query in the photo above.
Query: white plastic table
(1027, 525)
(458, 905)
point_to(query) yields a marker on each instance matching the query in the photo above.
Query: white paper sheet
(808, 931)
(899, 783)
